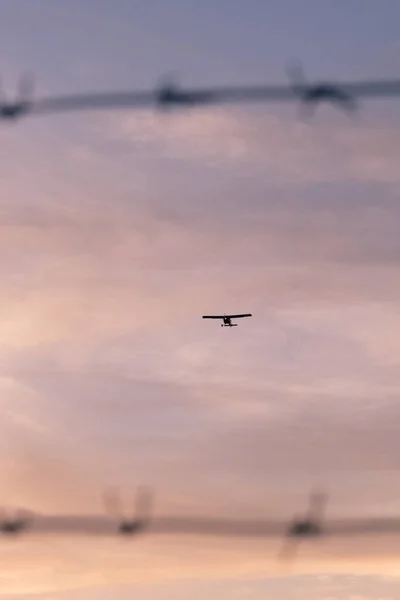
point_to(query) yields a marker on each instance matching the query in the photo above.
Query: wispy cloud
(116, 239)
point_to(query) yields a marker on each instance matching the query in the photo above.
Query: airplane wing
(239, 316)
(213, 316)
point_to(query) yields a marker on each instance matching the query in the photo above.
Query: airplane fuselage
(228, 322)
(227, 319)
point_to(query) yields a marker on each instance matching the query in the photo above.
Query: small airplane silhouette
(141, 514)
(227, 319)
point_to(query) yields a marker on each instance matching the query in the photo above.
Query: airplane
(11, 110)
(141, 517)
(227, 319)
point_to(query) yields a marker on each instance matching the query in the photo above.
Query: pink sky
(118, 231)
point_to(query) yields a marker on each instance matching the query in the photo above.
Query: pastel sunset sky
(120, 229)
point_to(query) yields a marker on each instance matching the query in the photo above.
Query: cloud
(287, 151)
(116, 242)
(89, 568)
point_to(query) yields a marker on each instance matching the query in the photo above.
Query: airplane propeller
(13, 109)
(309, 526)
(141, 510)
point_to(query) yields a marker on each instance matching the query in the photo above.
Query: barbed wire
(170, 95)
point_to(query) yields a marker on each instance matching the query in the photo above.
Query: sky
(120, 229)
